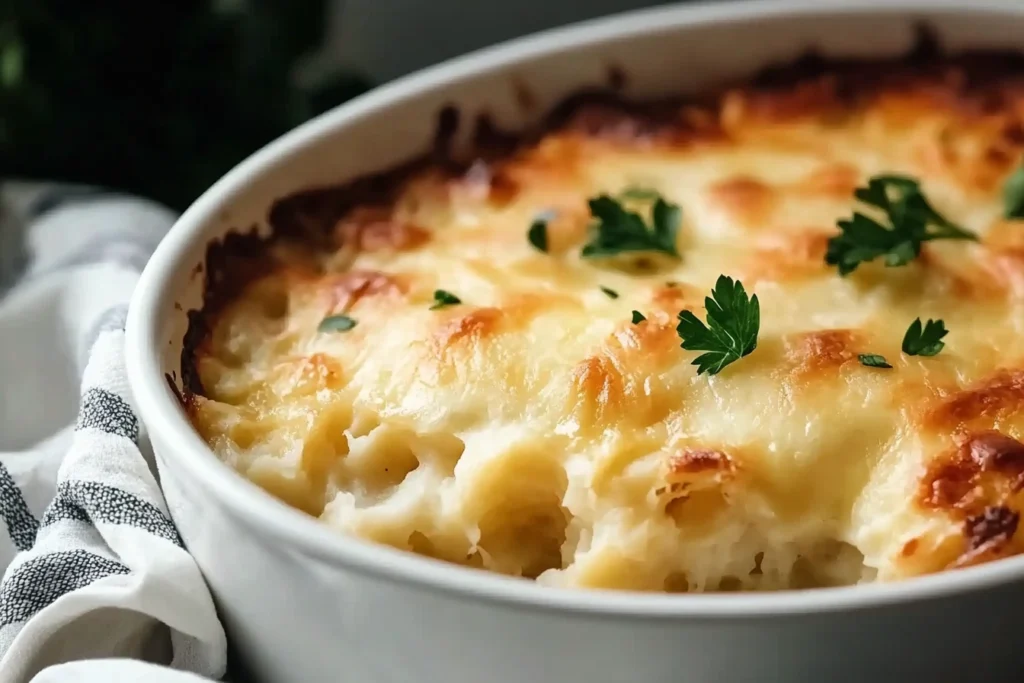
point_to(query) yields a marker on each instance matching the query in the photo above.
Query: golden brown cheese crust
(536, 431)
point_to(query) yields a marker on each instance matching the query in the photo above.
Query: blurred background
(160, 98)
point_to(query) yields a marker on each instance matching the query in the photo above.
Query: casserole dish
(312, 605)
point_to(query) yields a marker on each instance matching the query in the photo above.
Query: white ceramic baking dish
(304, 603)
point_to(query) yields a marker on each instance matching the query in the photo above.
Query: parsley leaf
(538, 234)
(924, 341)
(336, 323)
(731, 332)
(638, 317)
(912, 222)
(611, 293)
(443, 298)
(873, 360)
(1013, 195)
(617, 230)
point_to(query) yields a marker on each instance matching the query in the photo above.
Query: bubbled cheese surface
(534, 430)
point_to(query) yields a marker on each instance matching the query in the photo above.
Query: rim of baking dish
(264, 514)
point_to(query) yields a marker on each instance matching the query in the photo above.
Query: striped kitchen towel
(93, 568)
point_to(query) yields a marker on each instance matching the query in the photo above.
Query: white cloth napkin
(93, 567)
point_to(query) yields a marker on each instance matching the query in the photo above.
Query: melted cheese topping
(534, 430)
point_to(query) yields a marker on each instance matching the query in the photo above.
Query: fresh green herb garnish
(640, 194)
(443, 298)
(1013, 194)
(638, 317)
(731, 331)
(873, 360)
(912, 222)
(924, 341)
(538, 234)
(611, 293)
(616, 230)
(336, 323)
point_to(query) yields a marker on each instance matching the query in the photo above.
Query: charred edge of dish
(616, 77)
(925, 48)
(857, 78)
(229, 265)
(169, 376)
(995, 526)
(306, 216)
(490, 141)
(524, 96)
(588, 110)
(447, 127)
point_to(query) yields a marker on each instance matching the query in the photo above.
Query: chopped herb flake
(1013, 194)
(638, 317)
(538, 234)
(443, 298)
(336, 323)
(873, 360)
(612, 294)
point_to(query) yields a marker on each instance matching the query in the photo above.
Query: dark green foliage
(154, 98)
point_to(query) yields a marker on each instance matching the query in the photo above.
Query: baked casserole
(769, 337)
